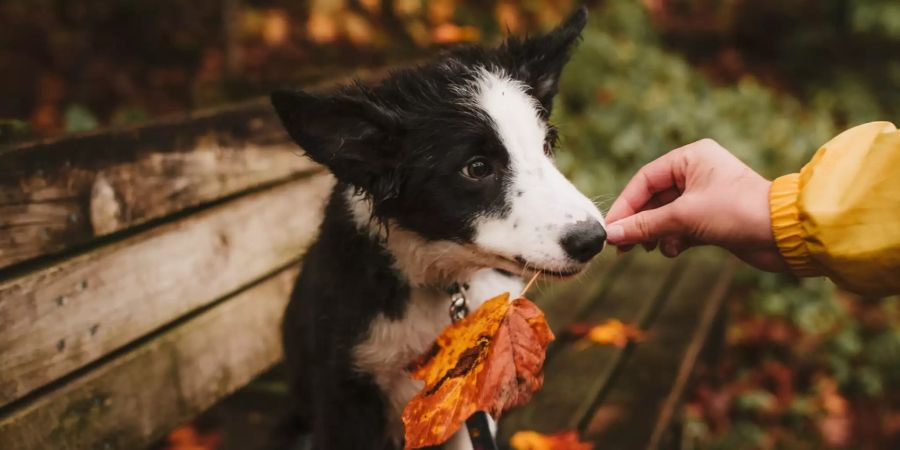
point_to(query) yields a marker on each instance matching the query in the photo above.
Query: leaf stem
(528, 286)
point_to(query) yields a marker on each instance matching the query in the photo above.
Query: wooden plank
(637, 410)
(138, 396)
(62, 317)
(55, 194)
(60, 192)
(563, 302)
(575, 374)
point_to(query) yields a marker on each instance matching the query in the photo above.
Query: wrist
(756, 219)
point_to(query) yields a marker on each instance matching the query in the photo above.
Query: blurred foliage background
(806, 366)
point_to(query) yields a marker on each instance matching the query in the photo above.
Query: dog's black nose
(583, 240)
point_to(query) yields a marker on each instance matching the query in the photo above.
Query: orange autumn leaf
(188, 438)
(532, 440)
(448, 33)
(489, 361)
(612, 332)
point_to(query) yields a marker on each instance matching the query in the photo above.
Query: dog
(445, 180)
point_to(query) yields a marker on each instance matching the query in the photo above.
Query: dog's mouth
(526, 267)
(519, 266)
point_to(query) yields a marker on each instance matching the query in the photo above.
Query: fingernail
(615, 233)
(671, 249)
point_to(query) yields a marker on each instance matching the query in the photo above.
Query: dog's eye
(477, 169)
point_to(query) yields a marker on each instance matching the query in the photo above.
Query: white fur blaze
(542, 201)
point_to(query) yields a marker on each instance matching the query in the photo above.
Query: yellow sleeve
(840, 216)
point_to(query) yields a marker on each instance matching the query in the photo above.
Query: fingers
(622, 249)
(661, 199)
(646, 226)
(663, 174)
(669, 246)
(672, 246)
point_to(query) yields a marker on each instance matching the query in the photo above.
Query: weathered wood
(575, 373)
(138, 396)
(55, 194)
(563, 302)
(638, 409)
(60, 318)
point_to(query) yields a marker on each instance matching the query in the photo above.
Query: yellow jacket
(840, 216)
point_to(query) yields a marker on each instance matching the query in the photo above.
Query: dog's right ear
(540, 60)
(351, 137)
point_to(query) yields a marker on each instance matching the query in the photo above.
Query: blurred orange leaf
(532, 440)
(358, 30)
(490, 361)
(612, 332)
(276, 27)
(441, 11)
(188, 438)
(321, 28)
(509, 16)
(448, 33)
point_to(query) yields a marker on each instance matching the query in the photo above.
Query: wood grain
(59, 193)
(639, 408)
(575, 373)
(563, 302)
(59, 318)
(137, 397)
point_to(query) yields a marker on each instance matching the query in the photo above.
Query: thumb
(649, 225)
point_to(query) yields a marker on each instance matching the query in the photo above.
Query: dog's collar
(459, 303)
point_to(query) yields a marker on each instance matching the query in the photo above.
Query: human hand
(694, 195)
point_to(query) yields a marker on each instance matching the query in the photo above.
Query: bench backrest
(143, 273)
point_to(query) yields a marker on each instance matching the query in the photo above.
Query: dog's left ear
(351, 136)
(539, 60)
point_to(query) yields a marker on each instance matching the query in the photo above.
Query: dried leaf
(532, 440)
(189, 438)
(612, 332)
(490, 361)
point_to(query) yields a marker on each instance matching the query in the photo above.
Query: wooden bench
(627, 398)
(143, 273)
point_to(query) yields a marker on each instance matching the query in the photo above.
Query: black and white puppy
(445, 176)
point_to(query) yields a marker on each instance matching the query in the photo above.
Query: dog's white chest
(392, 344)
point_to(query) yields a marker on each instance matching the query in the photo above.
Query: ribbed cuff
(787, 226)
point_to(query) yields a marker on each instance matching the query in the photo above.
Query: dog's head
(460, 151)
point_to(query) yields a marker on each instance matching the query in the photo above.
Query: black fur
(402, 142)
(346, 280)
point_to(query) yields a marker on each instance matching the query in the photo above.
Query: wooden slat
(575, 374)
(138, 396)
(638, 409)
(62, 317)
(59, 193)
(563, 302)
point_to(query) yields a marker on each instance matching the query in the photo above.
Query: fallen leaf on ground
(612, 332)
(532, 440)
(490, 361)
(189, 438)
